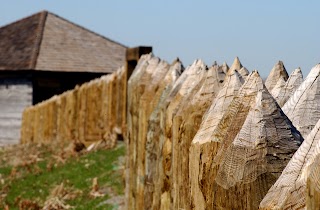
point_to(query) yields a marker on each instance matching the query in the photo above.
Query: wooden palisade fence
(198, 137)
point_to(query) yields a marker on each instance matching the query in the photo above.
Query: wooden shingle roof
(47, 42)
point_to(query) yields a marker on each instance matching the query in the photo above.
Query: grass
(34, 181)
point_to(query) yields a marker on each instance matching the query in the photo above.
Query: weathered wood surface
(313, 185)
(185, 125)
(121, 101)
(142, 72)
(283, 90)
(289, 191)
(212, 117)
(15, 95)
(64, 115)
(151, 156)
(195, 75)
(203, 137)
(255, 159)
(303, 108)
(148, 100)
(278, 88)
(277, 71)
(87, 113)
(225, 170)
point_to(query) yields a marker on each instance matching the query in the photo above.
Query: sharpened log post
(133, 55)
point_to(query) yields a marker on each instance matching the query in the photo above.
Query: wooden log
(82, 108)
(236, 65)
(147, 103)
(255, 159)
(152, 144)
(289, 191)
(27, 124)
(121, 100)
(189, 80)
(39, 125)
(283, 90)
(107, 102)
(313, 187)
(66, 113)
(87, 113)
(93, 95)
(109, 129)
(49, 120)
(244, 72)
(185, 125)
(114, 98)
(277, 71)
(303, 108)
(224, 67)
(135, 90)
(61, 105)
(279, 87)
(231, 86)
(204, 161)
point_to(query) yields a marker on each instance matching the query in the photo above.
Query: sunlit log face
(283, 90)
(242, 150)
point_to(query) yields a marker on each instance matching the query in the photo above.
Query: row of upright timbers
(221, 138)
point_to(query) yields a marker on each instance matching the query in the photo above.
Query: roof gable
(19, 42)
(47, 42)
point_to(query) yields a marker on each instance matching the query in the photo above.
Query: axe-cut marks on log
(152, 142)
(206, 157)
(283, 90)
(290, 188)
(185, 125)
(303, 108)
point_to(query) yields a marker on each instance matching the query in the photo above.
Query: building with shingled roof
(43, 55)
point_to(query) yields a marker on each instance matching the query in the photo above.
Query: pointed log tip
(297, 71)
(237, 62)
(215, 63)
(255, 72)
(175, 61)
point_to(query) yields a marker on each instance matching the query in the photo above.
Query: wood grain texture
(277, 71)
(147, 103)
(198, 158)
(216, 164)
(289, 191)
(185, 125)
(255, 159)
(87, 113)
(141, 72)
(212, 117)
(313, 186)
(195, 75)
(303, 108)
(152, 143)
(283, 90)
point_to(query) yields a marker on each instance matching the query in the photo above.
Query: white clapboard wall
(15, 95)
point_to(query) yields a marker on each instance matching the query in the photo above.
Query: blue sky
(259, 32)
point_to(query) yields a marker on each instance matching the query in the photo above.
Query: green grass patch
(37, 181)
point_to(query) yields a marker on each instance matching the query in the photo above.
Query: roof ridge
(22, 19)
(38, 41)
(88, 30)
